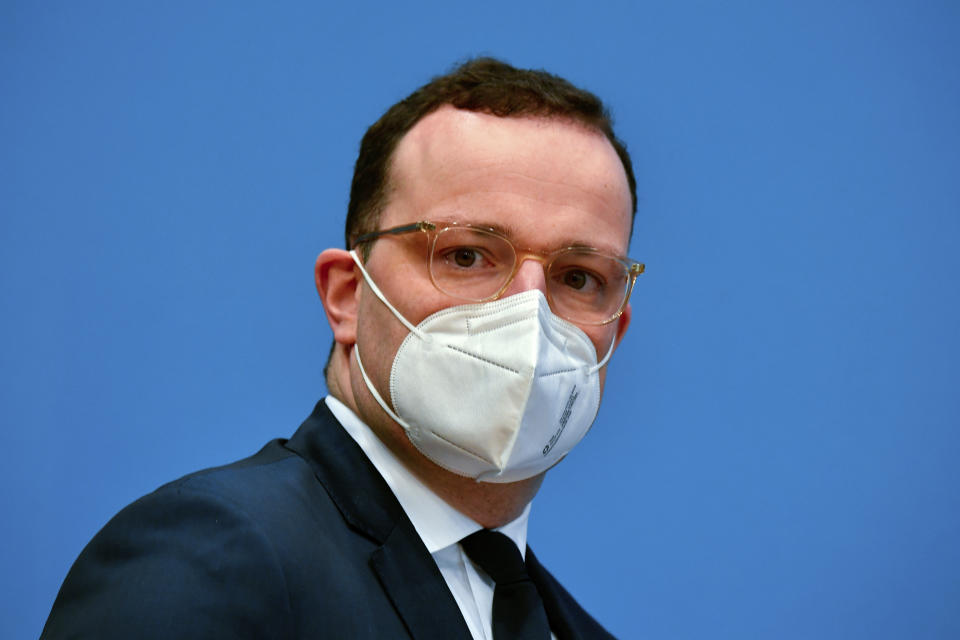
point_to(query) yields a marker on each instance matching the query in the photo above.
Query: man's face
(546, 183)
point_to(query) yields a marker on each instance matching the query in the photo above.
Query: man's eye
(465, 257)
(579, 282)
(575, 279)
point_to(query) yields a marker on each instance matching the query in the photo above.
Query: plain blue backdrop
(777, 455)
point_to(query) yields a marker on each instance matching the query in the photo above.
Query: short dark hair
(486, 85)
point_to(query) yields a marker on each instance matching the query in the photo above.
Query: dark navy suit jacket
(302, 540)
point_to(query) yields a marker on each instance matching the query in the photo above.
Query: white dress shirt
(439, 525)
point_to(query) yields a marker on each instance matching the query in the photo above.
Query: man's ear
(336, 279)
(623, 322)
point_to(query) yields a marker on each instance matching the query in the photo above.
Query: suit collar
(361, 495)
(437, 523)
(403, 565)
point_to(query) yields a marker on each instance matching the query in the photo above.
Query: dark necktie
(518, 612)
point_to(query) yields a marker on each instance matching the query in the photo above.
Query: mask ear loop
(592, 370)
(356, 349)
(376, 394)
(376, 291)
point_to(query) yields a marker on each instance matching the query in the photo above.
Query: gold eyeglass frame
(432, 230)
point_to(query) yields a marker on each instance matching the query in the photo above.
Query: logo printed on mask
(563, 420)
(475, 386)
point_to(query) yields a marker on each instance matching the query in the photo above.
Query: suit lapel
(568, 620)
(418, 596)
(406, 570)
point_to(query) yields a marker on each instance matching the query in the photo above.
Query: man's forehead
(453, 148)
(446, 132)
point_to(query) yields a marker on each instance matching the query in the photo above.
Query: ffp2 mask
(499, 391)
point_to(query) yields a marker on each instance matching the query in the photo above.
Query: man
(483, 290)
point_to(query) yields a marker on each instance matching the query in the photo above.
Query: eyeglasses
(584, 285)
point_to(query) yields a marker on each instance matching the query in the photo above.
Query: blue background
(777, 452)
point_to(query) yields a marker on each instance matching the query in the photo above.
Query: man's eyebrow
(567, 243)
(608, 249)
(492, 226)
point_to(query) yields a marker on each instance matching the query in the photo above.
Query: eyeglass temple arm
(394, 231)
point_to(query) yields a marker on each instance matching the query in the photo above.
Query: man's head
(483, 85)
(545, 178)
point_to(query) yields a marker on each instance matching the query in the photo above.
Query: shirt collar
(437, 523)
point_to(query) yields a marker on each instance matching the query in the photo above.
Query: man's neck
(488, 503)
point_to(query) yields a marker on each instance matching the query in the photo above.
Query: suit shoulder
(205, 549)
(271, 453)
(187, 556)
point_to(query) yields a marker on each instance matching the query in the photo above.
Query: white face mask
(498, 391)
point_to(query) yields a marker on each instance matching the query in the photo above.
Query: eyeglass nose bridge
(546, 261)
(519, 258)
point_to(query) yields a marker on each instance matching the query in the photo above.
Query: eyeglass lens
(474, 264)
